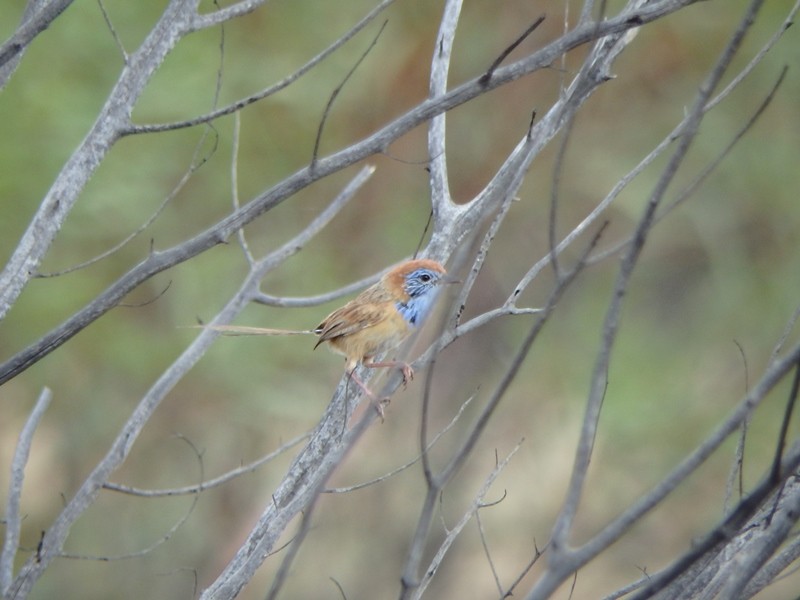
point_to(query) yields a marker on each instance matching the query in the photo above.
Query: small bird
(382, 316)
(375, 321)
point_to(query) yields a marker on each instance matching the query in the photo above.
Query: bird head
(414, 284)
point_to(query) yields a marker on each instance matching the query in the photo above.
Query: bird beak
(447, 279)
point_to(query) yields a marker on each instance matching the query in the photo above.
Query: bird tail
(241, 330)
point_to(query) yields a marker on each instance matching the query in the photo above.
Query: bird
(382, 316)
(374, 322)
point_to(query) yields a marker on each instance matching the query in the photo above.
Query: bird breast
(416, 309)
(376, 338)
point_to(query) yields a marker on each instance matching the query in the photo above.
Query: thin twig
(486, 77)
(624, 181)
(197, 162)
(168, 534)
(237, 128)
(775, 372)
(335, 94)
(412, 462)
(268, 91)
(452, 534)
(480, 258)
(558, 168)
(537, 554)
(737, 468)
(306, 301)
(211, 483)
(13, 522)
(701, 177)
(563, 560)
(112, 29)
(513, 369)
(487, 553)
(423, 234)
(787, 330)
(775, 473)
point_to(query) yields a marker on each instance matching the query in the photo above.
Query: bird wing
(349, 319)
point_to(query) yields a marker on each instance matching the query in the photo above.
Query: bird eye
(424, 278)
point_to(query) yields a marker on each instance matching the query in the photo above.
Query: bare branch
(537, 554)
(736, 524)
(785, 335)
(294, 548)
(37, 17)
(776, 474)
(111, 121)
(219, 16)
(483, 252)
(563, 560)
(441, 200)
(487, 553)
(771, 571)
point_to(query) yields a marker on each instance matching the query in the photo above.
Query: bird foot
(379, 405)
(408, 374)
(405, 368)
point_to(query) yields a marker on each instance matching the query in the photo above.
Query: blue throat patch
(421, 288)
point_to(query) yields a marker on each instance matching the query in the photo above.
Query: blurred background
(712, 294)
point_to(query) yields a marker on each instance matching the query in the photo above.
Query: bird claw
(408, 374)
(379, 404)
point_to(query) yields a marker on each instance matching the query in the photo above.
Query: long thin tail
(240, 330)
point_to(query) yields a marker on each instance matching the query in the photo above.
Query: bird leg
(378, 403)
(408, 372)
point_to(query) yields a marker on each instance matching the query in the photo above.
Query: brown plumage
(371, 323)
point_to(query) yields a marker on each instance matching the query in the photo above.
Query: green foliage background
(713, 292)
